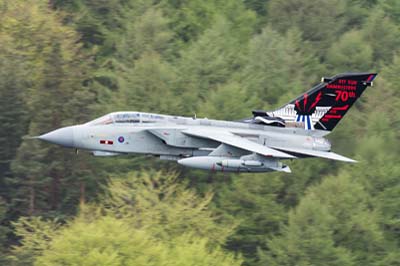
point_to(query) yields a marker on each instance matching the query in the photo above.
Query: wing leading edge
(238, 142)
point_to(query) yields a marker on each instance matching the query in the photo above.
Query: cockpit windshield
(127, 118)
(151, 118)
(104, 120)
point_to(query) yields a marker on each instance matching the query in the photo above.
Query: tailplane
(323, 106)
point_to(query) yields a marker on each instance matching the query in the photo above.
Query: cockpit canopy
(127, 118)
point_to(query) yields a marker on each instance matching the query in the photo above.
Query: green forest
(64, 62)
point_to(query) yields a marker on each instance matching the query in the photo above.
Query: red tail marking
(340, 108)
(305, 101)
(317, 99)
(333, 116)
(297, 104)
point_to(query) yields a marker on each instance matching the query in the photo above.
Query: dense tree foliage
(144, 219)
(66, 62)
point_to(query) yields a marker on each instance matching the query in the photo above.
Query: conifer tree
(56, 98)
(332, 225)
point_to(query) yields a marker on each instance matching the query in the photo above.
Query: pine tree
(332, 225)
(56, 98)
(350, 53)
(277, 68)
(253, 202)
(208, 63)
(13, 110)
(146, 219)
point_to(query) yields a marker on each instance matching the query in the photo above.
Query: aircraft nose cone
(62, 136)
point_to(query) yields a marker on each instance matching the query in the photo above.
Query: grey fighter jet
(256, 144)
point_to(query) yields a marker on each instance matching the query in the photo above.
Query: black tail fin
(325, 105)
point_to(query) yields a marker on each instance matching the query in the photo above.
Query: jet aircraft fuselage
(256, 144)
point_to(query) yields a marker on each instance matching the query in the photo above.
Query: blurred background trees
(66, 62)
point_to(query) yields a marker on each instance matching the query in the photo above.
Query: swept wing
(236, 141)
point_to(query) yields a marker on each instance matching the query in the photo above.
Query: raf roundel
(121, 139)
